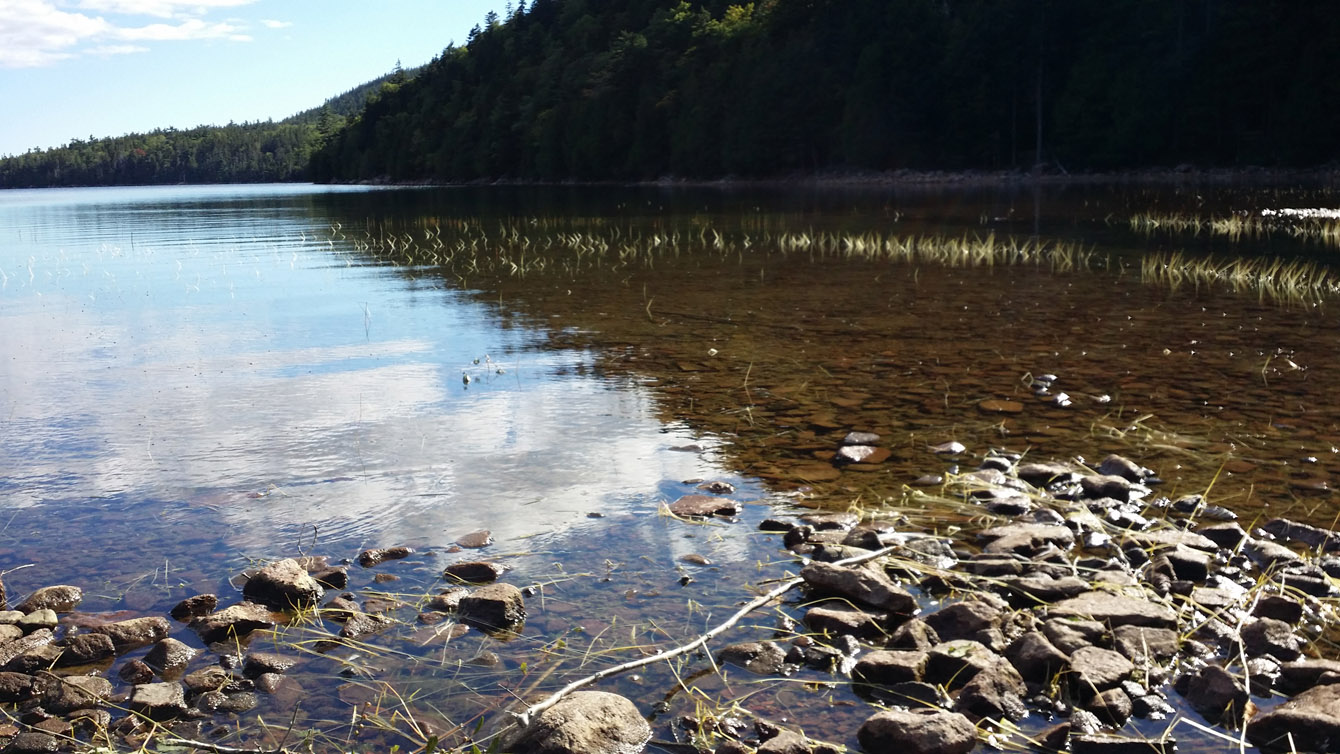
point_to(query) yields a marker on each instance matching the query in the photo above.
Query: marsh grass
(1320, 227)
(1270, 278)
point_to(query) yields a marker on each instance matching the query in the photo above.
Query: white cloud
(36, 33)
(106, 50)
(159, 8)
(270, 23)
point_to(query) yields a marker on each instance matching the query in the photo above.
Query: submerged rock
(1307, 722)
(760, 657)
(134, 633)
(704, 506)
(159, 701)
(474, 572)
(194, 607)
(370, 558)
(235, 621)
(865, 585)
(585, 722)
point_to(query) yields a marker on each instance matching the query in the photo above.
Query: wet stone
(1217, 694)
(135, 671)
(170, 657)
(496, 607)
(1115, 610)
(475, 539)
(83, 649)
(585, 722)
(374, 557)
(954, 663)
(1036, 658)
(15, 687)
(1138, 643)
(964, 620)
(63, 694)
(759, 657)
(43, 618)
(34, 742)
(1112, 706)
(995, 693)
(474, 572)
(62, 599)
(1307, 722)
(332, 578)
(1099, 486)
(1108, 743)
(862, 454)
(24, 644)
(704, 506)
(1095, 669)
(284, 585)
(995, 406)
(448, 600)
(237, 702)
(132, 634)
(837, 618)
(258, 663)
(159, 701)
(364, 624)
(1267, 636)
(918, 731)
(194, 607)
(235, 621)
(888, 667)
(864, 585)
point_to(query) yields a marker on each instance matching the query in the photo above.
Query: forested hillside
(235, 153)
(637, 89)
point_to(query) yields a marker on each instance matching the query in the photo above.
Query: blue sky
(80, 68)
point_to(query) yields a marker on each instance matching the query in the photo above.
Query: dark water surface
(198, 380)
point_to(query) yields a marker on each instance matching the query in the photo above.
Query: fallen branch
(530, 712)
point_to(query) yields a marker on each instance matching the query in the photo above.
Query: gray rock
(1226, 535)
(1115, 465)
(1280, 608)
(1070, 634)
(1310, 536)
(964, 620)
(159, 701)
(496, 607)
(864, 585)
(36, 659)
(705, 506)
(1041, 588)
(953, 663)
(170, 657)
(1266, 554)
(995, 692)
(235, 621)
(918, 731)
(585, 722)
(1217, 694)
(1115, 610)
(194, 607)
(12, 649)
(1112, 706)
(1139, 643)
(759, 657)
(1306, 673)
(1094, 669)
(83, 649)
(838, 619)
(284, 585)
(1025, 539)
(63, 694)
(1273, 637)
(1188, 563)
(42, 618)
(237, 702)
(887, 667)
(15, 687)
(9, 632)
(34, 742)
(1107, 743)
(1043, 474)
(473, 572)
(786, 742)
(62, 599)
(1155, 538)
(1307, 722)
(258, 663)
(134, 633)
(370, 558)
(1097, 486)
(1036, 658)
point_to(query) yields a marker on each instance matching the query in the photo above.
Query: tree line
(234, 153)
(641, 89)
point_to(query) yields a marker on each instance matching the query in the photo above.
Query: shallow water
(199, 379)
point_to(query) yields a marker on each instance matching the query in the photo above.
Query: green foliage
(245, 153)
(639, 89)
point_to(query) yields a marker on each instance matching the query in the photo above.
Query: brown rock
(83, 649)
(496, 607)
(585, 722)
(476, 539)
(1036, 658)
(704, 506)
(475, 572)
(1307, 722)
(838, 619)
(864, 585)
(1115, 610)
(1094, 669)
(194, 607)
(1217, 694)
(159, 701)
(61, 598)
(235, 621)
(759, 657)
(170, 657)
(887, 667)
(370, 558)
(134, 633)
(284, 585)
(953, 663)
(918, 731)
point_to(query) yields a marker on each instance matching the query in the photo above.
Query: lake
(199, 380)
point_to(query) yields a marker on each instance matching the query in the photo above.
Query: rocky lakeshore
(1080, 599)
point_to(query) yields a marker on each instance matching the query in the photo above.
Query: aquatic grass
(1318, 226)
(1270, 278)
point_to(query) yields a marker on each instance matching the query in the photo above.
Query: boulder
(964, 620)
(159, 701)
(1094, 669)
(1025, 539)
(15, 687)
(235, 621)
(63, 694)
(953, 663)
(1267, 636)
(584, 722)
(918, 731)
(838, 619)
(496, 607)
(62, 599)
(1036, 658)
(473, 572)
(83, 649)
(284, 585)
(12, 649)
(865, 585)
(1216, 694)
(704, 506)
(131, 634)
(760, 657)
(194, 607)
(1140, 644)
(887, 667)
(1307, 722)
(996, 692)
(170, 657)
(1115, 610)
(370, 558)
(1112, 706)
